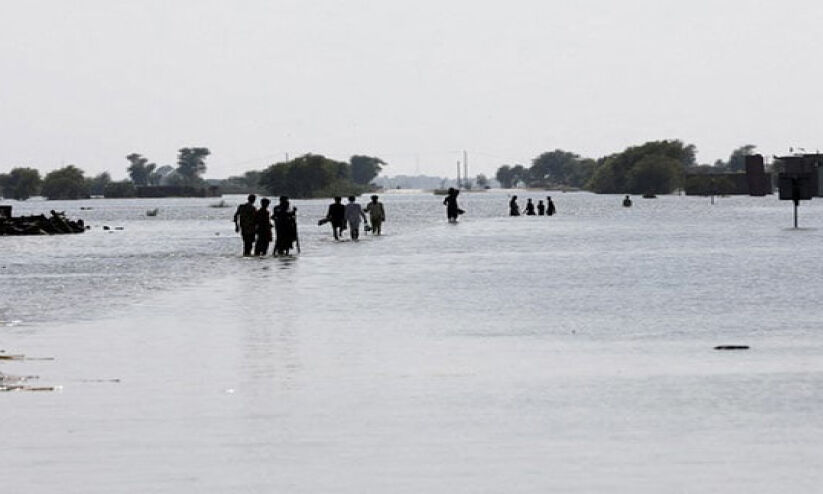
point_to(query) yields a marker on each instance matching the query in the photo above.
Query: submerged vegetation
(655, 167)
(314, 175)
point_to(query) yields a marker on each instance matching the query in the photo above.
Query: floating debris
(8, 379)
(56, 224)
(152, 212)
(732, 347)
(221, 204)
(21, 387)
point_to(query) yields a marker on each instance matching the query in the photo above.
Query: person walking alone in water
(514, 208)
(353, 215)
(550, 210)
(244, 223)
(541, 208)
(452, 209)
(285, 227)
(529, 207)
(263, 225)
(627, 202)
(336, 215)
(377, 215)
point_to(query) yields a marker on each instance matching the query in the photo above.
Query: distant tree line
(306, 176)
(70, 181)
(314, 175)
(656, 167)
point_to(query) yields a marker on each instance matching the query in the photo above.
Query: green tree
(307, 176)
(65, 183)
(512, 176)
(552, 167)
(191, 163)
(140, 170)
(124, 188)
(653, 174)
(20, 183)
(481, 180)
(737, 160)
(97, 185)
(520, 174)
(504, 176)
(612, 173)
(580, 172)
(364, 169)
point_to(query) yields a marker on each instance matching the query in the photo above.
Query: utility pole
(466, 169)
(459, 185)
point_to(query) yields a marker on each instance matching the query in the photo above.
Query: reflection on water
(530, 354)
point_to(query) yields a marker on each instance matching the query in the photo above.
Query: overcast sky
(414, 82)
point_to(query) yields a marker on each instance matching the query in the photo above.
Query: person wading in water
(263, 223)
(377, 215)
(245, 225)
(529, 207)
(336, 215)
(514, 208)
(285, 227)
(550, 210)
(353, 215)
(452, 209)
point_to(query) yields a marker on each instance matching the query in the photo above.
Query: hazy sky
(414, 82)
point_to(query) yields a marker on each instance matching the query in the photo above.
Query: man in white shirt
(353, 215)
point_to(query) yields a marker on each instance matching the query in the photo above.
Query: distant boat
(152, 212)
(649, 196)
(221, 204)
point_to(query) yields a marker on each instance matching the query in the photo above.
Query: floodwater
(519, 355)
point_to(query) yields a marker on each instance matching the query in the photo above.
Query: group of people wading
(341, 217)
(546, 209)
(255, 225)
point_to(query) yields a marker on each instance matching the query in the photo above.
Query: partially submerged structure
(754, 181)
(56, 224)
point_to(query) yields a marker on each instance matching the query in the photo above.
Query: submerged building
(753, 182)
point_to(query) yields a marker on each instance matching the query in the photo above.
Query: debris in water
(732, 347)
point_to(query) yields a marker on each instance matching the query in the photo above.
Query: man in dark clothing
(541, 208)
(244, 223)
(285, 226)
(452, 209)
(529, 207)
(550, 209)
(514, 208)
(337, 217)
(263, 224)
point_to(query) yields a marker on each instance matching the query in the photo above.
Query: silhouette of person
(529, 207)
(541, 208)
(353, 215)
(627, 202)
(244, 223)
(285, 227)
(550, 209)
(452, 209)
(377, 215)
(514, 209)
(263, 224)
(336, 215)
